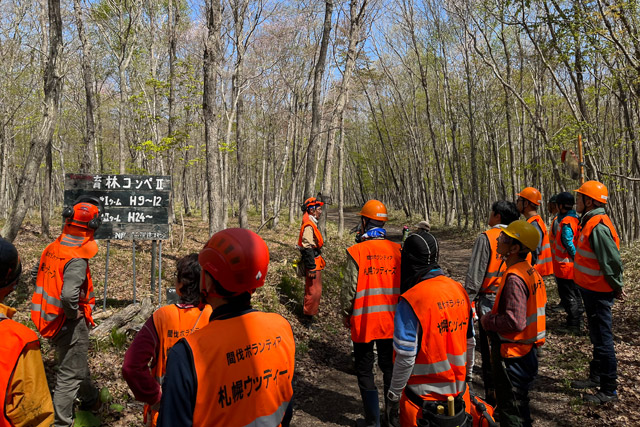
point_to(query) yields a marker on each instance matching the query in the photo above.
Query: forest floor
(325, 386)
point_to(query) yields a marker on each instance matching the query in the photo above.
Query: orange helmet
(596, 190)
(532, 195)
(311, 202)
(374, 209)
(237, 258)
(84, 215)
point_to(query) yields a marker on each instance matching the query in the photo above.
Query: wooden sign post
(136, 207)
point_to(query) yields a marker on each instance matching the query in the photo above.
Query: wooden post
(134, 271)
(580, 159)
(160, 273)
(106, 276)
(153, 266)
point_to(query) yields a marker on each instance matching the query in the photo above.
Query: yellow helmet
(523, 232)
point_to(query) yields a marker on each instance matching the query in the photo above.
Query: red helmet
(237, 258)
(84, 215)
(311, 202)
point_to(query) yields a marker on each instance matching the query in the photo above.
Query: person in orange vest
(516, 324)
(63, 302)
(24, 391)
(431, 327)
(310, 245)
(368, 298)
(563, 256)
(481, 283)
(597, 270)
(238, 369)
(146, 359)
(527, 203)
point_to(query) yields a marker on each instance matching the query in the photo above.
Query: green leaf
(86, 419)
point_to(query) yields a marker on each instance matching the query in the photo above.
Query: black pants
(571, 301)
(513, 377)
(364, 356)
(487, 376)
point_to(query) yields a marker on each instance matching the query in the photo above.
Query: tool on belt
(432, 415)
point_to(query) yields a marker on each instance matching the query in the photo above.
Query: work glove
(392, 411)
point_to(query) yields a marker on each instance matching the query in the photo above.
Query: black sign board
(136, 207)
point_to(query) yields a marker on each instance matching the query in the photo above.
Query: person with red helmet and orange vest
(516, 324)
(62, 305)
(564, 252)
(24, 392)
(310, 243)
(431, 327)
(238, 369)
(597, 270)
(481, 283)
(528, 201)
(369, 295)
(145, 361)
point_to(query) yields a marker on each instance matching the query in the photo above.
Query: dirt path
(326, 392)
(326, 386)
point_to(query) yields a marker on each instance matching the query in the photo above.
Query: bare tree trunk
(89, 137)
(212, 55)
(316, 113)
(52, 93)
(355, 22)
(341, 177)
(45, 200)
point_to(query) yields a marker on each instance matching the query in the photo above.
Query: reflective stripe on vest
(496, 266)
(562, 263)
(172, 323)
(377, 290)
(244, 368)
(587, 273)
(544, 265)
(14, 337)
(442, 307)
(47, 312)
(308, 222)
(517, 344)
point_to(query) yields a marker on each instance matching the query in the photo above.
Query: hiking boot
(601, 397)
(591, 382)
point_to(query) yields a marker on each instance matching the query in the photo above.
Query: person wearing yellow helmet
(481, 283)
(597, 270)
(516, 324)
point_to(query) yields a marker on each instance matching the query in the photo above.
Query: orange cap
(532, 195)
(596, 190)
(374, 209)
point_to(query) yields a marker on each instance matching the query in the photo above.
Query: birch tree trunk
(212, 57)
(52, 93)
(316, 113)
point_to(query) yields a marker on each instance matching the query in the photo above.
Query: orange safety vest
(586, 268)
(442, 307)
(377, 291)
(517, 344)
(496, 266)
(172, 323)
(244, 368)
(562, 263)
(14, 337)
(308, 222)
(46, 307)
(552, 236)
(544, 265)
